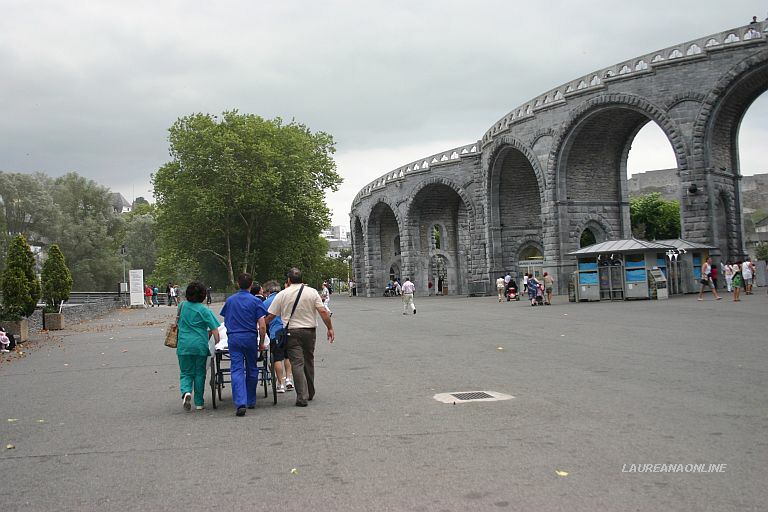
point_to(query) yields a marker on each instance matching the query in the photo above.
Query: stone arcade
(520, 198)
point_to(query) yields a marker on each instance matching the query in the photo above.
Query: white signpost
(136, 278)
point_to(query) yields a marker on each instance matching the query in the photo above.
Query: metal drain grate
(478, 395)
(471, 397)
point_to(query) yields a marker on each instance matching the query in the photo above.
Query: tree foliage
(21, 289)
(89, 232)
(761, 251)
(245, 192)
(654, 218)
(57, 280)
(172, 267)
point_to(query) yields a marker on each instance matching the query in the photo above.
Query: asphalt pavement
(95, 421)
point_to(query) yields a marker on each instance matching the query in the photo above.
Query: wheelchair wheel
(213, 381)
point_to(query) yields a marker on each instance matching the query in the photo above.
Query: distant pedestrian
(208, 295)
(408, 290)
(525, 283)
(147, 295)
(155, 292)
(706, 280)
(172, 295)
(500, 287)
(533, 288)
(728, 272)
(549, 283)
(738, 281)
(325, 296)
(713, 275)
(748, 274)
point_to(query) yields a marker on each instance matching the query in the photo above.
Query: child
(6, 342)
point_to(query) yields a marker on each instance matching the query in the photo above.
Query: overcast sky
(92, 87)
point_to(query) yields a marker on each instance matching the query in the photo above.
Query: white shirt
(408, 287)
(500, 282)
(746, 270)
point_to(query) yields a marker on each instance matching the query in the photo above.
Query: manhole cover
(475, 395)
(463, 397)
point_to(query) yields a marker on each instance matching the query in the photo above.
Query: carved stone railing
(691, 50)
(418, 166)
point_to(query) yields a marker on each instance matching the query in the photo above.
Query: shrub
(21, 289)
(57, 280)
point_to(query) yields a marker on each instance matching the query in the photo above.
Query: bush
(21, 289)
(57, 280)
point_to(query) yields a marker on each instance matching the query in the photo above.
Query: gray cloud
(94, 87)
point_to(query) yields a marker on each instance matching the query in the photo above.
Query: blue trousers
(244, 372)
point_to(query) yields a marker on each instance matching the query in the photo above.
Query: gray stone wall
(557, 165)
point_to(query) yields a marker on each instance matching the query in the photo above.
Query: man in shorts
(748, 274)
(283, 372)
(500, 288)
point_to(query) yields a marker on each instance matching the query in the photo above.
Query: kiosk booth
(682, 265)
(621, 270)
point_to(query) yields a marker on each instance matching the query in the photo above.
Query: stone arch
(440, 202)
(588, 164)
(438, 180)
(716, 154)
(603, 102)
(599, 227)
(722, 110)
(507, 142)
(383, 227)
(693, 96)
(516, 195)
(358, 250)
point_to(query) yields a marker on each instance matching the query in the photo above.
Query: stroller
(540, 296)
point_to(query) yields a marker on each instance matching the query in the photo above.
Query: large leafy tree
(88, 232)
(26, 208)
(245, 192)
(139, 240)
(21, 289)
(654, 218)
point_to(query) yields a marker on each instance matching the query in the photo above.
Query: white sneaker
(199, 407)
(288, 384)
(187, 401)
(280, 388)
(5, 351)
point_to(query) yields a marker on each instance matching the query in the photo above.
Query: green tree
(762, 251)
(27, 205)
(654, 218)
(139, 240)
(246, 192)
(26, 208)
(175, 268)
(88, 232)
(57, 280)
(21, 289)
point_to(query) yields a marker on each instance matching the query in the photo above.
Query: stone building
(554, 170)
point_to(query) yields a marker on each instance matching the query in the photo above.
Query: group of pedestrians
(250, 315)
(738, 275)
(172, 293)
(539, 290)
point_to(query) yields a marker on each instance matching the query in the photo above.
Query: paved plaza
(97, 422)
